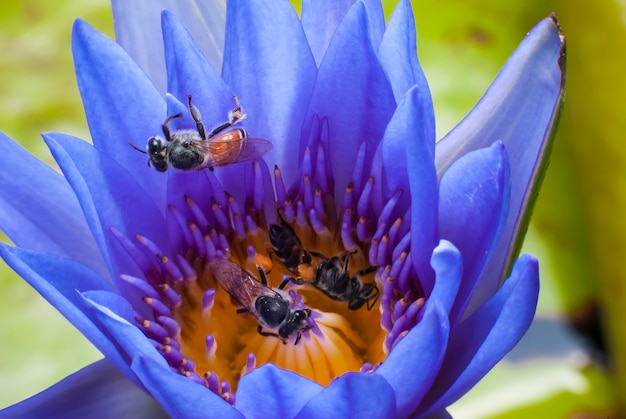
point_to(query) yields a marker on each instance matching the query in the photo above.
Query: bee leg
(369, 292)
(197, 118)
(306, 329)
(235, 115)
(317, 254)
(284, 283)
(262, 274)
(242, 310)
(165, 126)
(346, 261)
(371, 300)
(261, 332)
(298, 281)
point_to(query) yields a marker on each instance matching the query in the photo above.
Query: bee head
(157, 153)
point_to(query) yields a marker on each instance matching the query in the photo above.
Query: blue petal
(178, 395)
(96, 391)
(110, 197)
(412, 365)
(398, 56)
(415, 124)
(487, 335)
(320, 20)
(448, 265)
(519, 109)
(409, 128)
(137, 31)
(268, 64)
(353, 94)
(121, 104)
(353, 395)
(181, 397)
(48, 222)
(473, 203)
(442, 414)
(376, 18)
(271, 391)
(189, 72)
(58, 280)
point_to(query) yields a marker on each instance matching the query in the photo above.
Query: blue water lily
(124, 251)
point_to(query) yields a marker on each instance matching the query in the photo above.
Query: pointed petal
(49, 223)
(398, 56)
(110, 197)
(96, 391)
(178, 395)
(487, 335)
(271, 391)
(376, 19)
(414, 362)
(320, 20)
(269, 65)
(58, 279)
(353, 395)
(137, 31)
(189, 72)
(473, 203)
(408, 125)
(411, 122)
(357, 108)
(120, 102)
(520, 108)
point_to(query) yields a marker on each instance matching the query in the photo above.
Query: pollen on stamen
(197, 212)
(221, 219)
(213, 382)
(171, 325)
(171, 295)
(141, 285)
(153, 328)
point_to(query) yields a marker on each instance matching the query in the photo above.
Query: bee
(196, 150)
(271, 307)
(331, 275)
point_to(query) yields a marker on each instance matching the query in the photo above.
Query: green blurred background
(578, 229)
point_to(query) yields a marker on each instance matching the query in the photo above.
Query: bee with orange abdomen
(196, 150)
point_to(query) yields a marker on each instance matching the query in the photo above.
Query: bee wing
(240, 284)
(224, 151)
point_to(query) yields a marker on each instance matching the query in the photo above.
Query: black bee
(289, 249)
(271, 307)
(196, 150)
(331, 276)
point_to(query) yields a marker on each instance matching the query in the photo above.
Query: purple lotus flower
(123, 251)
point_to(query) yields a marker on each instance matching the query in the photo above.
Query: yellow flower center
(343, 340)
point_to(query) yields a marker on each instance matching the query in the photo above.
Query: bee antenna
(136, 148)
